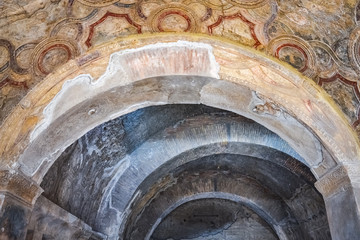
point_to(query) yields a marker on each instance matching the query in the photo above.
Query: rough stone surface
(87, 166)
(105, 171)
(288, 211)
(14, 217)
(13, 222)
(49, 221)
(209, 219)
(80, 171)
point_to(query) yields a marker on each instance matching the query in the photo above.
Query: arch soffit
(266, 215)
(284, 95)
(184, 146)
(187, 141)
(113, 205)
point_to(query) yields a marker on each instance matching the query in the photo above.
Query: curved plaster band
(154, 91)
(276, 85)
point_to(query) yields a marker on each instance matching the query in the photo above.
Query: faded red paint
(42, 55)
(8, 81)
(106, 15)
(176, 12)
(251, 26)
(303, 69)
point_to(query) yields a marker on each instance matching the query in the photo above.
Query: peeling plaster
(84, 86)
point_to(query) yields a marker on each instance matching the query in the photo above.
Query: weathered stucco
(306, 104)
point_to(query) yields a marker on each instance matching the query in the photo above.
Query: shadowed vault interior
(221, 190)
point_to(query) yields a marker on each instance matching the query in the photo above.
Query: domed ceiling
(318, 38)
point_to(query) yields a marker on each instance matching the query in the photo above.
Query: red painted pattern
(165, 14)
(347, 82)
(8, 81)
(42, 55)
(245, 20)
(110, 14)
(303, 69)
(344, 80)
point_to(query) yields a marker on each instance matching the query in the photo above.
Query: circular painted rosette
(248, 3)
(22, 54)
(173, 18)
(295, 51)
(8, 58)
(51, 53)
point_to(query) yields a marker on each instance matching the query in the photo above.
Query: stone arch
(277, 87)
(172, 150)
(228, 196)
(120, 77)
(237, 150)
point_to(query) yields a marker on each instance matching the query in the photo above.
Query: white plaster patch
(130, 65)
(58, 100)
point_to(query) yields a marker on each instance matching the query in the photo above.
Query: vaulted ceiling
(318, 38)
(179, 162)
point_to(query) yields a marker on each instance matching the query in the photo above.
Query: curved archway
(220, 74)
(210, 212)
(188, 140)
(226, 196)
(278, 89)
(213, 179)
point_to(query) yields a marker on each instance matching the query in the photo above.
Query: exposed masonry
(299, 109)
(91, 178)
(213, 219)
